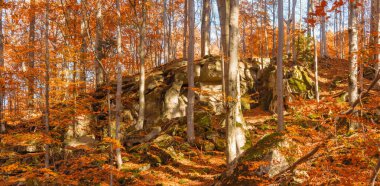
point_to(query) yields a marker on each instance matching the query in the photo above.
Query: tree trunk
(279, 81)
(184, 52)
(353, 57)
(83, 49)
(165, 40)
(99, 73)
(141, 118)
(47, 79)
(224, 14)
(2, 80)
(323, 48)
(190, 75)
(235, 122)
(205, 28)
(375, 35)
(294, 55)
(30, 76)
(274, 30)
(119, 81)
(316, 66)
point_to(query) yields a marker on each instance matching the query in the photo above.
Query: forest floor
(347, 158)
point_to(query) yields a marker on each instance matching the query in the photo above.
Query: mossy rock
(263, 147)
(220, 144)
(164, 141)
(246, 102)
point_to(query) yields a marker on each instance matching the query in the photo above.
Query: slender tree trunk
(190, 75)
(165, 41)
(279, 81)
(47, 81)
(32, 25)
(83, 49)
(274, 29)
(141, 118)
(205, 28)
(375, 35)
(2, 80)
(316, 67)
(224, 14)
(235, 122)
(185, 24)
(119, 81)
(99, 74)
(294, 55)
(353, 57)
(323, 47)
(265, 29)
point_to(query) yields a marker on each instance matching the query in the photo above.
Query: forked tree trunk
(190, 75)
(235, 122)
(353, 57)
(279, 81)
(205, 28)
(141, 118)
(119, 81)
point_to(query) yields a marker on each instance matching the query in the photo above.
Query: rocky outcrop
(296, 82)
(166, 89)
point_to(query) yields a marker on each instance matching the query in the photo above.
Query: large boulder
(296, 82)
(211, 71)
(175, 103)
(258, 164)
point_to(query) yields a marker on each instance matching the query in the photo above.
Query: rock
(164, 141)
(211, 96)
(211, 71)
(296, 83)
(174, 103)
(154, 80)
(81, 128)
(300, 177)
(264, 160)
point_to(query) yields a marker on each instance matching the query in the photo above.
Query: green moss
(263, 147)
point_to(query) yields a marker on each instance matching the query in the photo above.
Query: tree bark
(141, 118)
(279, 81)
(205, 28)
(274, 30)
(323, 48)
(190, 75)
(235, 122)
(224, 14)
(119, 81)
(47, 81)
(185, 24)
(83, 49)
(353, 57)
(99, 73)
(2, 80)
(30, 76)
(316, 66)
(375, 35)
(294, 55)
